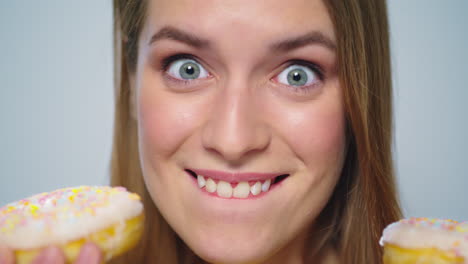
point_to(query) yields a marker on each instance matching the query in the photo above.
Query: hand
(89, 254)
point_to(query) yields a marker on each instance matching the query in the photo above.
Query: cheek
(163, 121)
(318, 134)
(160, 126)
(322, 136)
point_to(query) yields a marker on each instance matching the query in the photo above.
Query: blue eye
(186, 69)
(298, 75)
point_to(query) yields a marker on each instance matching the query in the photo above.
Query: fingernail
(50, 255)
(6, 255)
(89, 254)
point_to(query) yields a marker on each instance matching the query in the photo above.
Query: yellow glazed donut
(110, 217)
(425, 241)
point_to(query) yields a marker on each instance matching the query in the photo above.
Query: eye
(299, 75)
(186, 69)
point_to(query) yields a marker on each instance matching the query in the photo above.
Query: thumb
(6, 255)
(89, 254)
(50, 255)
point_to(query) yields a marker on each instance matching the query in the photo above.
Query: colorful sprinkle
(67, 203)
(445, 234)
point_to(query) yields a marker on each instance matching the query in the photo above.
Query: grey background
(56, 99)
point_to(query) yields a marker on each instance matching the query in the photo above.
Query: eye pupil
(297, 77)
(189, 70)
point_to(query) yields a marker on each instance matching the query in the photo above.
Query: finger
(6, 255)
(89, 254)
(50, 255)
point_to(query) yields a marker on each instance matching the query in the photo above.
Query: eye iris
(189, 70)
(297, 77)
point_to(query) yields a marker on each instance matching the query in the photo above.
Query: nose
(235, 128)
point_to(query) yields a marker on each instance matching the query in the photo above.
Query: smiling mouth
(235, 189)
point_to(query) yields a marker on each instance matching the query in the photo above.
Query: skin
(239, 118)
(89, 254)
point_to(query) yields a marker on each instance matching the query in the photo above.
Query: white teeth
(224, 189)
(256, 188)
(210, 185)
(266, 185)
(201, 181)
(242, 190)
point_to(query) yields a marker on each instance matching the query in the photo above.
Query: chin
(231, 249)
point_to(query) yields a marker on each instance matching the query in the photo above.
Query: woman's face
(239, 92)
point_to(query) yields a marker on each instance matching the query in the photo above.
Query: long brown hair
(364, 200)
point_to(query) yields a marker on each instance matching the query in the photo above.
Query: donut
(425, 241)
(110, 217)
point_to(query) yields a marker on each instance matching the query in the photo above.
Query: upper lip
(235, 176)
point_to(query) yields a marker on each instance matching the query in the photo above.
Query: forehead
(257, 19)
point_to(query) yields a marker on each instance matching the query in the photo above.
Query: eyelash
(312, 66)
(166, 62)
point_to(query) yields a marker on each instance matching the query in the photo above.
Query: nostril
(280, 178)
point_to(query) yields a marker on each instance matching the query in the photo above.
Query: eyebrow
(314, 37)
(173, 33)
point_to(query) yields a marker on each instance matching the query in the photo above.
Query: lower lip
(250, 197)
